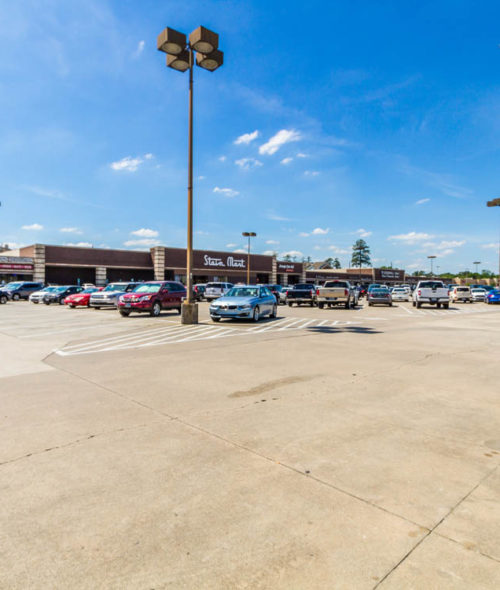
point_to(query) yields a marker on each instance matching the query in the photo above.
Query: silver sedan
(247, 301)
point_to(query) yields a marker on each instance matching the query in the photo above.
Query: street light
(496, 203)
(477, 264)
(248, 234)
(431, 258)
(181, 57)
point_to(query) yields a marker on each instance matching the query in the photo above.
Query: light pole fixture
(477, 263)
(248, 234)
(496, 203)
(181, 57)
(431, 258)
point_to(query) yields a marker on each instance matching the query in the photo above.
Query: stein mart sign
(223, 262)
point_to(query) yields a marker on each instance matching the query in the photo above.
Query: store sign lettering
(230, 262)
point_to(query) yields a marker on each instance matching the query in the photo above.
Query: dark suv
(19, 290)
(59, 294)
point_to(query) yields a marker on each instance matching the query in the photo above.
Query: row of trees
(360, 257)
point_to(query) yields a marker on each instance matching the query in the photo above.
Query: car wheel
(256, 314)
(419, 305)
(215, 319)
(413, 303)
(439, 305)
(155, 310)
(369, 304)
(61, 301)
(321, 305)
(274, 312)
(47, 302)
(347, 304)
(124, 314)
(290, 304)
(96, 307)
(15, 297)
(3, 299)
(446, 305)
(72, 305)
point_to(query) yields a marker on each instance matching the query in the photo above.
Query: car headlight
(145, 298)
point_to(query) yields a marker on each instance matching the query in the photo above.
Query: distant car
(20, 289)
(81, 299)
(302, 293)
(277, 291)
(493, 297)
(59, 294)
(478, 294)
(400, 294)
(379, 296)
(152, 297)
(216, 290)
(37, 296)
(108, 297)
(247, 302)
(461, 294)
(199, 291)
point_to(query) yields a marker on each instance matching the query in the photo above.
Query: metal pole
(248, 262)
(189, 261)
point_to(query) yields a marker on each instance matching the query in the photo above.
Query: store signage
(16, 263)
(224, 262)
(285, 267)
(389, 274)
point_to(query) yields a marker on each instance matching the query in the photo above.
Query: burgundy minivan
(152, 297)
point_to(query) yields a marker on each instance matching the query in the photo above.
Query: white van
(216, 290)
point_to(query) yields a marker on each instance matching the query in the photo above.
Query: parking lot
(326, 448)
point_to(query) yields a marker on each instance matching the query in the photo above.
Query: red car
(82, 298)
(152, 297)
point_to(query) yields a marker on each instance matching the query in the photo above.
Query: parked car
(37, 296)
(374, 286)
(302, 293)
(277, 291)
(20, 289)
(215, 290)
(247, 301)
(337, 293)
(152, 297)
(59, 294)
(108, 297)
(478, 294)
(460, 294)
(400, 294)
(199, 291)
(431, 292)
(81, 299)
(493, 296)
(379, 296)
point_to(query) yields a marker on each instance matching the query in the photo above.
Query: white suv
(461, 294)
(216, 290)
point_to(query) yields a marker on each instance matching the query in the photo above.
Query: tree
(360, 254)
(328, 263)
(336, 263)
(287, 258)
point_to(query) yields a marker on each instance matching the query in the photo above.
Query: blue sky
(328, 121)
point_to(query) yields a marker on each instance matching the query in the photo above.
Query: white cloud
(222, 158)
(363, 233)
(422, 201)
(140, 48)
(246, 138)
(145, 233)
(130, 164)
(33, 227)
(240, 251)
(143, 242)
(301, 155)
(318, 231)
(79, 244)
(201, 178)
(318, 248)
(274, 217)
(276, 141)
(491, 245)
(286, 161)
(271, 242)
(304, 234)
(450, 244)
(247, 163)
(268, 252)
(338, 250)
(293, 254)
(411, 237)
(446, 252)
(70, 230)
(311, 173)
(226, 192)
(231, 245)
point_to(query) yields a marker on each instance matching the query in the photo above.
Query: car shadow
(338, 329)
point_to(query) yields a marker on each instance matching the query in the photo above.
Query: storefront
(289, 273)
(16, 268)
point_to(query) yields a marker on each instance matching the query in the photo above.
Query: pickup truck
(431, 292)
(336, 293)
(301, 293)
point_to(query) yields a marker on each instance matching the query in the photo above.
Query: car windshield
(399, 290)
(116, 287)
(59, 289)
(214, 286)
(90, 290)
(49, 289)
(148, 288)
(431, 285)
(303, 286)
(243, 292)
(333, 284)
(379, 291)
(12, 286)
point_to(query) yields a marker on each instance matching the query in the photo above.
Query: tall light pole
(431, 258)
(477, 263)
(248, 234)
(496, 203)
(181, 54)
